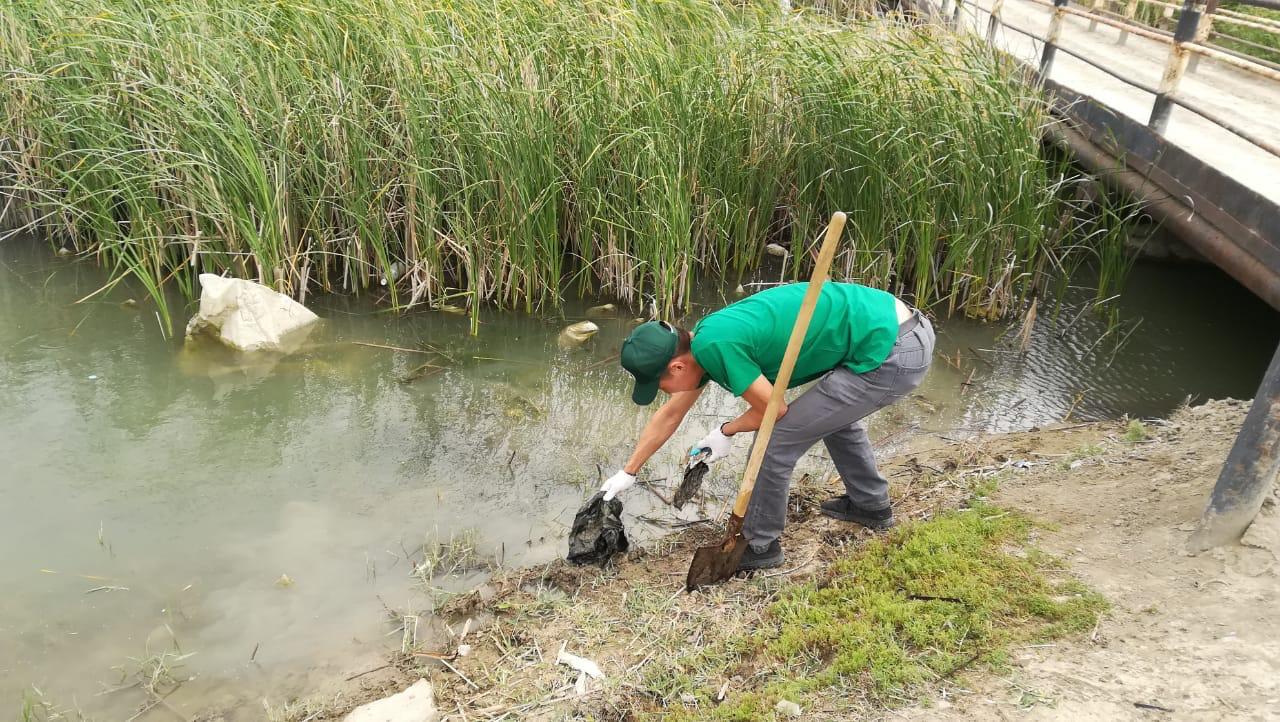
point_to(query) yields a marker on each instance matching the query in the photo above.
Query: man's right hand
(617, 483)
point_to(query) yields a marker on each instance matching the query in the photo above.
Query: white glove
(715, 440)
(617, 484)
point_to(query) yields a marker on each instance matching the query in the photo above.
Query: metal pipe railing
(1183, 47)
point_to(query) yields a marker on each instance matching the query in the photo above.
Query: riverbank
(1109, 504)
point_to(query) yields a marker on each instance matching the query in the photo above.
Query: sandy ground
(1189, 637)
(1198, 636)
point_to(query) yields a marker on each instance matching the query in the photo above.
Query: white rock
(248, 316)
(577, 334)
(416, 704)
(787, 707)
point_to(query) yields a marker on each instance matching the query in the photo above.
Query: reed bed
(515, 151)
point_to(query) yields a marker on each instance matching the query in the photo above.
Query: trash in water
(597, 532)
(692, 479)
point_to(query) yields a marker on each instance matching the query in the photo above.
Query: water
(181, 487)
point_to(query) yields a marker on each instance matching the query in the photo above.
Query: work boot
(840, 507)
(766, 558)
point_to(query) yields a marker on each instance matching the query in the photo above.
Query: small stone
(415, 704)
(787, 707)
(689, 698)
(464, 650)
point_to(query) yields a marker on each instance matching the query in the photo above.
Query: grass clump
(910, 610)
(458, 555)
(517, 151)
(1136, 431)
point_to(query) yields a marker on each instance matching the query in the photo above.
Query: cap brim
(645, 392)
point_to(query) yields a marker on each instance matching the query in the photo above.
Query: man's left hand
(715, 440)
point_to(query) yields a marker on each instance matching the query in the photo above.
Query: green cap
(645, 354)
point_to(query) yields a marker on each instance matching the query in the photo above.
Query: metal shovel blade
(716, 563)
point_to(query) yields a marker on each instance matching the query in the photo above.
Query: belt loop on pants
(909, 325)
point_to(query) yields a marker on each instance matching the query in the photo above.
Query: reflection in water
(189, 481)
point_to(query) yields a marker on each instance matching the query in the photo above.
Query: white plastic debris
(581, 664)
(417, 703)
(247, 316)
(787, 707)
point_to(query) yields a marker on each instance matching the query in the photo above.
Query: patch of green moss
(918, 606)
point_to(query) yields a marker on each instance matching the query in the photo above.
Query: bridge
(1184, 119)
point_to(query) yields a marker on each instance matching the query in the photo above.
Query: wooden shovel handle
(798, 331)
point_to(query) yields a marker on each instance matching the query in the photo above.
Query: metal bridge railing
(1187, 42)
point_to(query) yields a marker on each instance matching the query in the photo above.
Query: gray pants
(832, 410)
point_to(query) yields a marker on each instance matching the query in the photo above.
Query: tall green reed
(517, 151)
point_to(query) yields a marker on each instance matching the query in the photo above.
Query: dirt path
(1198, 636)
(1192, 635)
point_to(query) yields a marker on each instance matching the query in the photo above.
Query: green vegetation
(516, 151)
(1252, 41)
(1136, 431)
(930, 600)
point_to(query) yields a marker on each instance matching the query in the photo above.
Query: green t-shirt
(852, 326)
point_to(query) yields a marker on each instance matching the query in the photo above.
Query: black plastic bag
(597, 532)
(691, 483)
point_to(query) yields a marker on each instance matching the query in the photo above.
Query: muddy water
(153, 497)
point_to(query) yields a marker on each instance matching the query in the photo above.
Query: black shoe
(841, 508)
(767, 558)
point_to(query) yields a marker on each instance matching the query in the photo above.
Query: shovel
(716, 563)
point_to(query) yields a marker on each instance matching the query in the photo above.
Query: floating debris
(603, 311)
(284, 582)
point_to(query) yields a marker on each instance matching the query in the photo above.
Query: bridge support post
(1250, 470)
(955, 15)
(1093, 8)
(993, 24)
(1175, 66)
(1130, 10)
(1202, 33)
(1051, 38)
